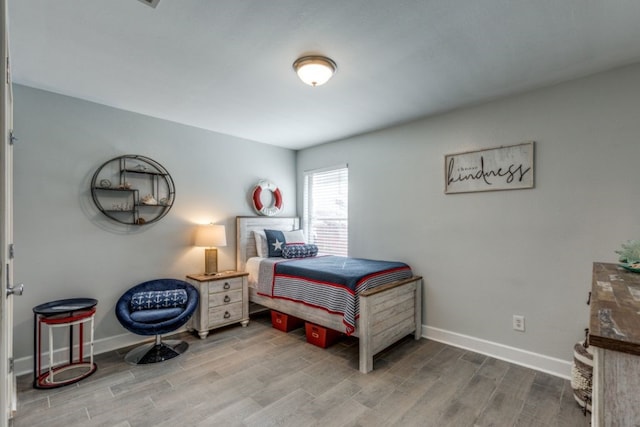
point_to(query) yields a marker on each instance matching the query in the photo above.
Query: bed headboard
(246, 243)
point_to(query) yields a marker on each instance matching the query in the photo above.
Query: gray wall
(66, 248)
(484, 256)
(487, 256)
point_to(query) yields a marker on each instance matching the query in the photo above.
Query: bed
(387, 312)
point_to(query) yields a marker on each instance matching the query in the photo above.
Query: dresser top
(222, 275)
(614, 322)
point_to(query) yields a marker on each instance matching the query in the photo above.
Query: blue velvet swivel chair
(157, 307)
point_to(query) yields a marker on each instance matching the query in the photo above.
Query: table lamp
(211, 237)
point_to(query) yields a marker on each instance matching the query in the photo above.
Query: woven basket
(582, 375)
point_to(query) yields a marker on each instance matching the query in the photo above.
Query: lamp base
(210, 261)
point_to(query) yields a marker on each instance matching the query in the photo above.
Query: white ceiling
(225, 65)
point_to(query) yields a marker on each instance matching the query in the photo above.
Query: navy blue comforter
(333, 283)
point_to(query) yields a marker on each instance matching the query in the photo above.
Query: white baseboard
(24, 365)
(539, 362)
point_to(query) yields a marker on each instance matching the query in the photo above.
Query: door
(7, 375)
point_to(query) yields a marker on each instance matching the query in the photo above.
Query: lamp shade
(314, 70)
(211, 235)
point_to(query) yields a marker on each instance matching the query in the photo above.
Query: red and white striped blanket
(327, 282)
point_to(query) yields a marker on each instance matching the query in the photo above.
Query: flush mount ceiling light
(314, 70)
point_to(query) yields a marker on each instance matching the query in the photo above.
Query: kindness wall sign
(501, 168)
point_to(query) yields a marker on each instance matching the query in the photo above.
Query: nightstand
(224, 299)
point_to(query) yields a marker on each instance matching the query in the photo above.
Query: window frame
(309, 223)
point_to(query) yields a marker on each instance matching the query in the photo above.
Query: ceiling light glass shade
(314, 70)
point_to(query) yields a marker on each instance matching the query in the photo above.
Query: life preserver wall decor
(260, 208)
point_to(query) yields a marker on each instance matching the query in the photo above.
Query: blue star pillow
(276, 240)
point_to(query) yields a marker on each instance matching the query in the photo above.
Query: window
(326, 209)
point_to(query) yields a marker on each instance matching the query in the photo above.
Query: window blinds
(326, 209)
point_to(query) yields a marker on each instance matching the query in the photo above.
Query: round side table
(62, 313)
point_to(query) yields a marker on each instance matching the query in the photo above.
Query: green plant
(630, 251)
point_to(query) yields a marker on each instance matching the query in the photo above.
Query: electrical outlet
(518, 323)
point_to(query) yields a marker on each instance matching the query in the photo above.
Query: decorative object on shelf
(121, 207)
(629, 256)
(632, 266)
(149, 200)
(128, 176)
(256, 198)
(211, 237)
(630, 252)
(314, 70)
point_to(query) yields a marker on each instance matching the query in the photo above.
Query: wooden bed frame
(388, 312)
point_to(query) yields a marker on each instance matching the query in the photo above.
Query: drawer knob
(226, 285)
(227, 298)
(227, 314)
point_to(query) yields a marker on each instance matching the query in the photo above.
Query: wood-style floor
(259, 376)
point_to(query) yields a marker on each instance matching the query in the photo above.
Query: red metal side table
(61, 313)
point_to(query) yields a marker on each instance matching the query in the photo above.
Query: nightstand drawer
(223, 285)
(227, 313)
(224, 298)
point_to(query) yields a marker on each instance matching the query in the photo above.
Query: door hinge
(10, 365)
(12, 138)
(11, 251)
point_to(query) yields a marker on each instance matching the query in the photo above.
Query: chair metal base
(159, 351)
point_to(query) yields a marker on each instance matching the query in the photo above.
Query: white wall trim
(539, 362)
(528, 359)
(24, 365)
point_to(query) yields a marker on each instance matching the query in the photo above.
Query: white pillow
(295, 237)
(261, 244)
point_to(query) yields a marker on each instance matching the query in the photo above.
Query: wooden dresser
(614, 333)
